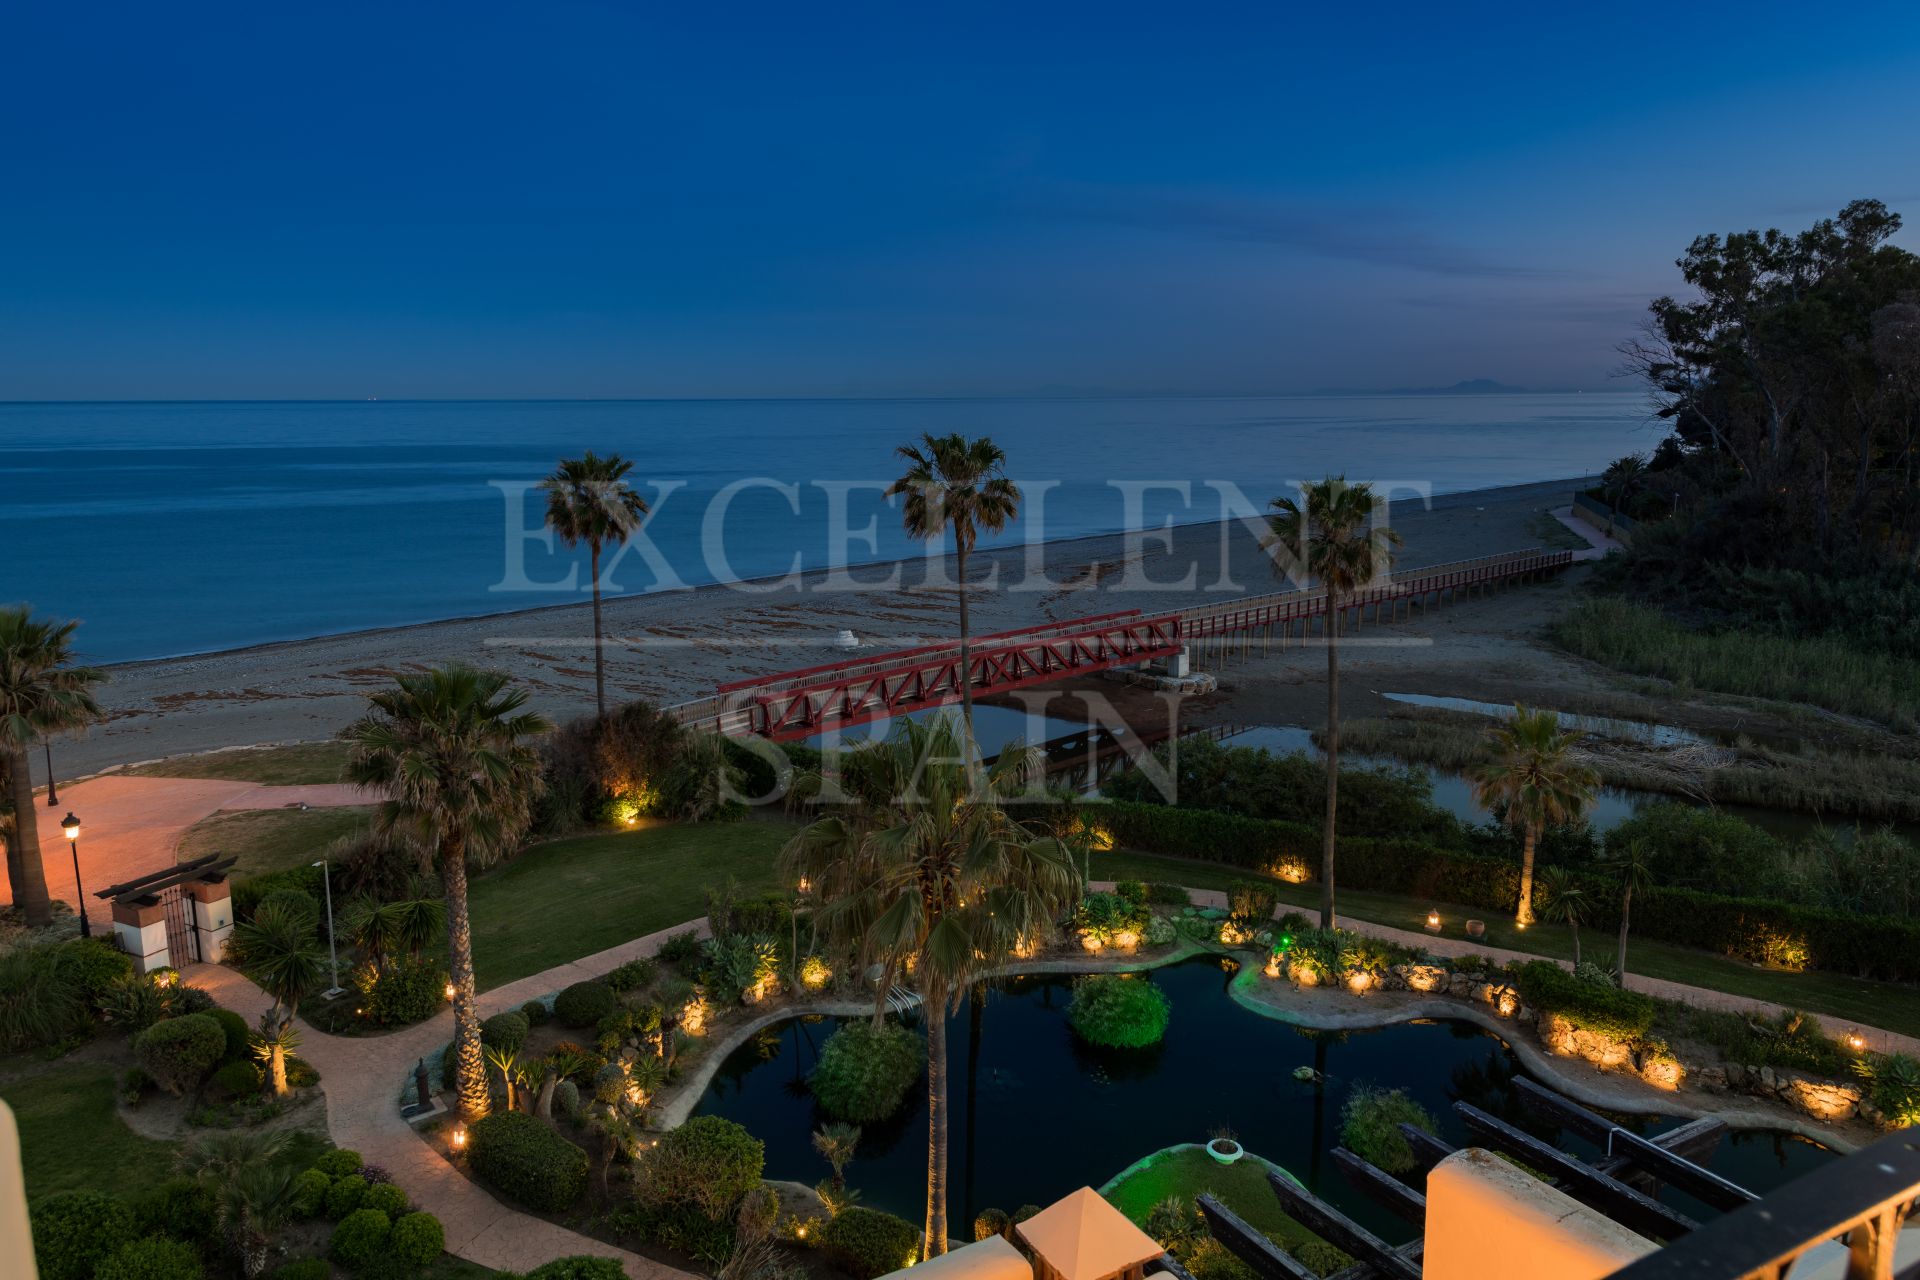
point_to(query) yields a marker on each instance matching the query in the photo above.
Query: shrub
(360, 1238)
(521, 1157)
(308, 1199)
(578, 1267)
(1893, 1083)
(237, 1079)
(248, 893)
(304, 1269)
(1169, 895)
(94, 965)
(505, 1030)
(179, 1052)
(1118, 1011)
(339, 1162)
(134, 1003)
(239, 1035)
(1321, 1258)
(708, 1164)
(1250, 903)
(74, 1231)
(566, 1098)
(1159, 931)
(40, 1002)
(866, 1243)
(1371, 1127)
(1603, 1010)
(154, 1258)
(407, 990)
(681, 949)
(417, 1239)
(991, 1223)
(295, 902)
(385, 1197)
(179, 1207)
(536, 1013)
(345, 1195)
(863, 1074)
(583, 1004)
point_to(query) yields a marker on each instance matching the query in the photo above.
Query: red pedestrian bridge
(790, 705)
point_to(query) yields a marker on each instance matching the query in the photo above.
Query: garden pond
(1036, 1113)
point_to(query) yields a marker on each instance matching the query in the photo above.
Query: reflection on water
(1037, 1114)
(1657, 735)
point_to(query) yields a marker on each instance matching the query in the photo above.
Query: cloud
(1376, 236)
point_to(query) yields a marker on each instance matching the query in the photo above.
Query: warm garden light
(1433, 922)
(449, 991)
(70, 827)
(1856, 1041)
(459, 1139)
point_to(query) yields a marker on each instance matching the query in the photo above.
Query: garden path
(1599, 541)
(363, 1078)
(131, 827)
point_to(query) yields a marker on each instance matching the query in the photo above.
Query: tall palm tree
(923, 871)
(449, 748)
(42, 692)
(955, 483)
(278, 952)
(589, 500)
(1330, 532)
(1563, 900)
(252, 1188)
(1633, 867)
(1536, 778)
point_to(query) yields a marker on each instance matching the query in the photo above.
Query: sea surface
(172, 528)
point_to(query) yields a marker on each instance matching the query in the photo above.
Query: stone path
(131, 827)
(1599, 541)
(363, 1079)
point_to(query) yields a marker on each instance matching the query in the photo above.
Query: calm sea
(179, 528)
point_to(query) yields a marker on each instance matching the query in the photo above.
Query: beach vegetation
(1329, 534)
(1536, 781)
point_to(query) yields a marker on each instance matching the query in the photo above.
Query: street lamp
(70, 827)
(335, 991)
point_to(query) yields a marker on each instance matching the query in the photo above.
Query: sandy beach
(672, 646)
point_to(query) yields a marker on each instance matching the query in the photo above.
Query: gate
(183, 933)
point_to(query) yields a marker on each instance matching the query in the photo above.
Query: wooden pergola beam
(1653, 1157)
(1321, 1218)
(1385, 1189)
(1632, 1209)
(1266, 1258)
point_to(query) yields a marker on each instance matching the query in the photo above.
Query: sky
(487, 200)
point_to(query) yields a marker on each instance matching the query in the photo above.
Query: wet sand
(673, 646)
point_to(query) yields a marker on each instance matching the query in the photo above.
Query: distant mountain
(1470, 387)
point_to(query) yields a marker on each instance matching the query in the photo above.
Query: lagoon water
(178, 528)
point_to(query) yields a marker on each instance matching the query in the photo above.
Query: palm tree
(1621, 480)
(1331, 533)
(448, 747)
(836, 1143)
(278, 952)
(922, 871)
(589, 500)
(1535, 778)
(955, 483)
(252, 1188)
(1633, 867)
(42, 692)
(1563, 900)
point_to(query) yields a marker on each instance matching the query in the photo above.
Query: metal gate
(183, 932)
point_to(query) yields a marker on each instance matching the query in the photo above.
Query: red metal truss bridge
(790, 705)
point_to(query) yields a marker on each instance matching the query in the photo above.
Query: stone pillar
(1176, 665)
(140, 926)
(212, 898)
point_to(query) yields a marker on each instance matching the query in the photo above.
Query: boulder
(1821, 1099)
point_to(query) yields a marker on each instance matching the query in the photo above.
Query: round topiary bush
(179, 1207)
(536, 1013)
(345, 1195)
(863, 1075)
(1321, 1258)
(1119, 1012)
(991, 1223)
(580, 1266)
(75, 1231)
(522, 1157)
(339, 1162)
(308, 1198)
(154, 1258)
(94, 965)
(866, 1243)
(385, 1197)
(1370, 1126)
(304, 1269)
(179, 1052)
(360, 1238)
(237, 1079)
(583, 1004)
(707, 1164)
(505, 1030)
(239, 1035)
(417, 1239)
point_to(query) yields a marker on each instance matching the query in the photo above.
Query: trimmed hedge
(521, 1157)
(239, 1035)
(345, 1195)
(304, 1269)
(179, 1052)
(583, 1004)
(385, 1197)
(75, 1231)
(1881, 947)
(339, 1162)
(308, 1199)
(360, 1238)
(417, 1239)
(708, 1164)
(154, 1258)
(505, 1030)
(1589, 1006)
(866, 1243)
(863, 1075)
(580, 1266)
(1119, 1012)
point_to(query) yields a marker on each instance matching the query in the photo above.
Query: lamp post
(70, 827)
(335, 991)
(53, 791)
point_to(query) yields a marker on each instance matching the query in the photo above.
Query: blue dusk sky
(345, 200)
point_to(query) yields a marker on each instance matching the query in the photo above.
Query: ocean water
(173, 528)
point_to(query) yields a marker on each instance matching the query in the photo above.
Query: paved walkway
(363, 1079)
(1877, 1039)
(131, 827)
(1599, 542)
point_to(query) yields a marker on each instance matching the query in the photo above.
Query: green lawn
(272, 839)
(1241, 1186)
(1889, 1006)
(571, 898)
(300, 762)
(71, 1139)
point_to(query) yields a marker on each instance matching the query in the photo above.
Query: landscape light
(449, 991)
(1433, 922)
(1855, 1041)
